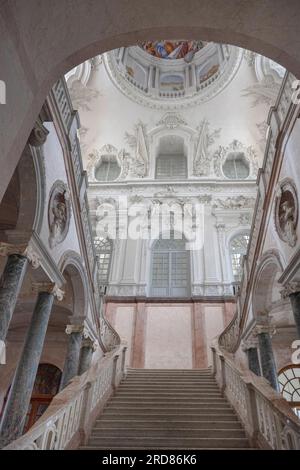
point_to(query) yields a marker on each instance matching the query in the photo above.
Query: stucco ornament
(286, 212)
(202, 158)
(59, 212)
(249, 152)
(139, 163)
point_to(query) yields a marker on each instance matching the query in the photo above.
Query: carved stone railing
(269, 421)
(279, 116)
(67, 422)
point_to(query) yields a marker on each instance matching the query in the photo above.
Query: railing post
(123, 362)
(214, 364)
(252, 415)
(85, 414)
(114, 372)
(223, 374)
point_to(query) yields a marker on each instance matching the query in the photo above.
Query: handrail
(266, 416)
(277, 119)
(69, 418)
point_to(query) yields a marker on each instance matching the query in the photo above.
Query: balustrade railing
(269, 421)
(69, 418)
(278, 116)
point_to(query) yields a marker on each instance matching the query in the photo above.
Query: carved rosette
(59, 213)
(286, 212)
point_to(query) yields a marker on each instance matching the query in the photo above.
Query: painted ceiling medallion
(173, 49)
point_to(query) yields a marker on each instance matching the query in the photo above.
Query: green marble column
(17, 404)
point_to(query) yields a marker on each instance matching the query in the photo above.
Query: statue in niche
(287, 217)
(59, 208)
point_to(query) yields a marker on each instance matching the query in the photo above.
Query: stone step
(168, 443)
(188, 413)
(169, 393)
(168, 401)
(146, 433)
(171, 423)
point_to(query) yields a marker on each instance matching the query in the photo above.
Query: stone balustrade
(268, 419)
(69, 418)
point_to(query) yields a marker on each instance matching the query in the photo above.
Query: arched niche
(76, 286)
(165, 140)
(267, 289)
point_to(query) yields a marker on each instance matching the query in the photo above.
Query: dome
(165, 73)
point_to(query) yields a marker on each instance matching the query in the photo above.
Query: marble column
(250, 348)
(14, 415)
(87, 349)
(73, 353)
(11, 280)
(292, 290)
(268, 365)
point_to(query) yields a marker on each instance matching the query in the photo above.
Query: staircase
(167, 409)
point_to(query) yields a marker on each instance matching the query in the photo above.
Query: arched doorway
(46, 386)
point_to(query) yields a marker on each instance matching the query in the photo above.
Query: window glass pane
(238, 248)
(236, 166)
(103, 249)
(170, 268)
(107, 171)
(171, 167)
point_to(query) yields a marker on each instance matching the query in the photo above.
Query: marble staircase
(167, 409)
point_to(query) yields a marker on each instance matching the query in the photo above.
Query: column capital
(74, 329)
(89, 343)
(38, 134)
(263, 328)
(49, 288)
(250, 343)
(220, 227)
(22, 249)
(292, 287)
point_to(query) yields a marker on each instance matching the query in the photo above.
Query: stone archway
(40, 41)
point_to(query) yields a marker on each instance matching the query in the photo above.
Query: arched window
(171, 162)
(236, 166)
(103, 249)
(238, 248)
(108, 170)
(170, 274)
(289, 384)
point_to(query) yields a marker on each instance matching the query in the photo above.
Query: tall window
(238, 248)
(108, 170)
(170, 167)
(170, 276)
(236, 166)
(103, 248)
(289, 383)
(171, 161)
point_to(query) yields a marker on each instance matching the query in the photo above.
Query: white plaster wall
(55, 170)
